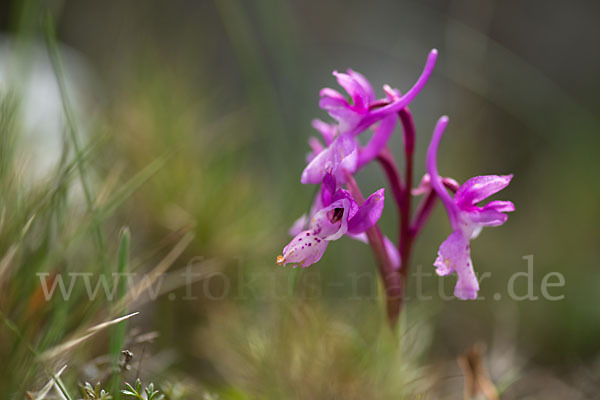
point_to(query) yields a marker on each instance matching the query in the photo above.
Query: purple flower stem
(388, 164)
(405, 241)
(423, 213)
(390, 278)
(402, 195)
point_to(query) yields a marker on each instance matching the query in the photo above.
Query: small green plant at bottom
(136, 392)
(90, 392)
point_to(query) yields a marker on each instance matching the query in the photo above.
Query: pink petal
(339, 156)
(391, 93)
(500, 205)
(331, 223)
(357, 92)
(361, 237)
(348, 161)
(368, 214)
(341, 194)
(424, 186)
(482, 217)
(347, 118)
(328, 131)
(315, 146)
(492, 214)
(328, 189)
(450, 184)
(480, 187)
(333, 103)
(362, 81)
(334, 94)
(378, 141)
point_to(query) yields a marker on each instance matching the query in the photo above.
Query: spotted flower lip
(338, 214)
(466, 218)
(325, 196)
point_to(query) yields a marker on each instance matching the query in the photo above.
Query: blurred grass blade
(117, 334)
(106, 324)
(56, 62)
(118, 198)
(60, 389)
(6, 262)
(13, 327)
(48, 386)
(61, 348)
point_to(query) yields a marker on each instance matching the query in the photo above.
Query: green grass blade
(117, 332)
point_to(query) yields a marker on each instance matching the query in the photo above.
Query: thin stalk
(388, 164)
(405, 240)
(117, 332)
(389, 277)
(402, 192)
(423, 213)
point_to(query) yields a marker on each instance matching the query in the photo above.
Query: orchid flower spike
(338, 215)
(466, 218)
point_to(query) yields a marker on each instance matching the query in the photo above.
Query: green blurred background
(227, 90)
